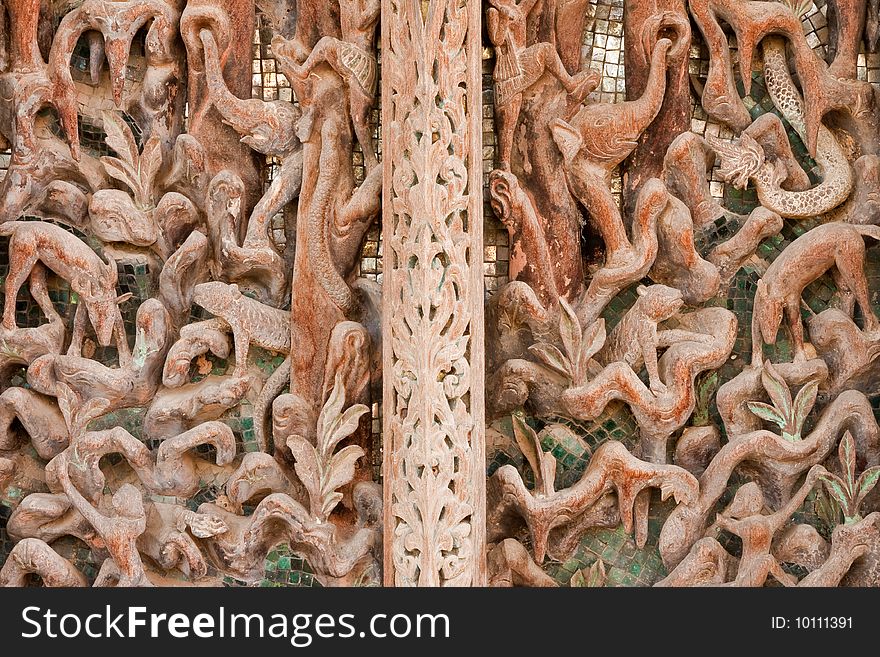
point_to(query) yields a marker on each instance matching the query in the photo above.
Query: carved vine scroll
(434, 482)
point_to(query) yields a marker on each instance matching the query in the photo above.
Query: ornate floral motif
(433, 416)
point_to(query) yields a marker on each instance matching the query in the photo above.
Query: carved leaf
(308, 469)
(837, 489)
(124, 173)
(777, 389)
(867, 480)
(339, 472)
(543, 464)
(569, 331)
(592, 577)
(552, 358)
(799, 8)
(527, 440)
(321, 471)
(150, 162)
(120, 138)
(846, 454)
(827, 508)
(803, 404)
(766, 412)
(188, 164)
(340, 428)
(592, 341)
(67, 404)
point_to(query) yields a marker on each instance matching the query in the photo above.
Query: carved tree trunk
(223, 144)
(675, 115)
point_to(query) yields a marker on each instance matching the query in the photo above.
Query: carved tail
(279, 379)
(235, 111)
(868, 231)
(319, 249)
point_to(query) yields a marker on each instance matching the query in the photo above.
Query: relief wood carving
(624, 330)
(226, 416)
(674, 381)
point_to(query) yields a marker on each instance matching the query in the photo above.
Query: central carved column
(434, 469)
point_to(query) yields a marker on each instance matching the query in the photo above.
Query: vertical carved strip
(434, 470)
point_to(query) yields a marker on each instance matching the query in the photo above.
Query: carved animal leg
(242, 346)
(669, 337)
(506, 117)
(20, 266)
(578, 86)
(360, 105)
(705, 565)
(850, 263)
(279, 380)
(781, 576)
(685, 167)
(845, 20)
(108, 575)
(650, 355)
(730, 255)
(847, 298)
(793, 317)
(213, 433)
(80, 318)
(606, 217)
(510, 564)
(122, 349)
(324, 51)
(285, 187)
(757, 343)
(40, 293)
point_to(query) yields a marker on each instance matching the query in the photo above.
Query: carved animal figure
(744, 518)
(267, 127)
(353, 58)
(71, 258)
(31, 555)
(635, 339)
(678, 264)
(600, 137)
(835, 244)
(118, 532)
(249, 320)
(519, 67)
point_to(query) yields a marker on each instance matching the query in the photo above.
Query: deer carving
(93, 280)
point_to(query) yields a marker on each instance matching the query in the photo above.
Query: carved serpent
(746, 159)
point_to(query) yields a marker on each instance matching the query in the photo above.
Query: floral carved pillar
(434, 469)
